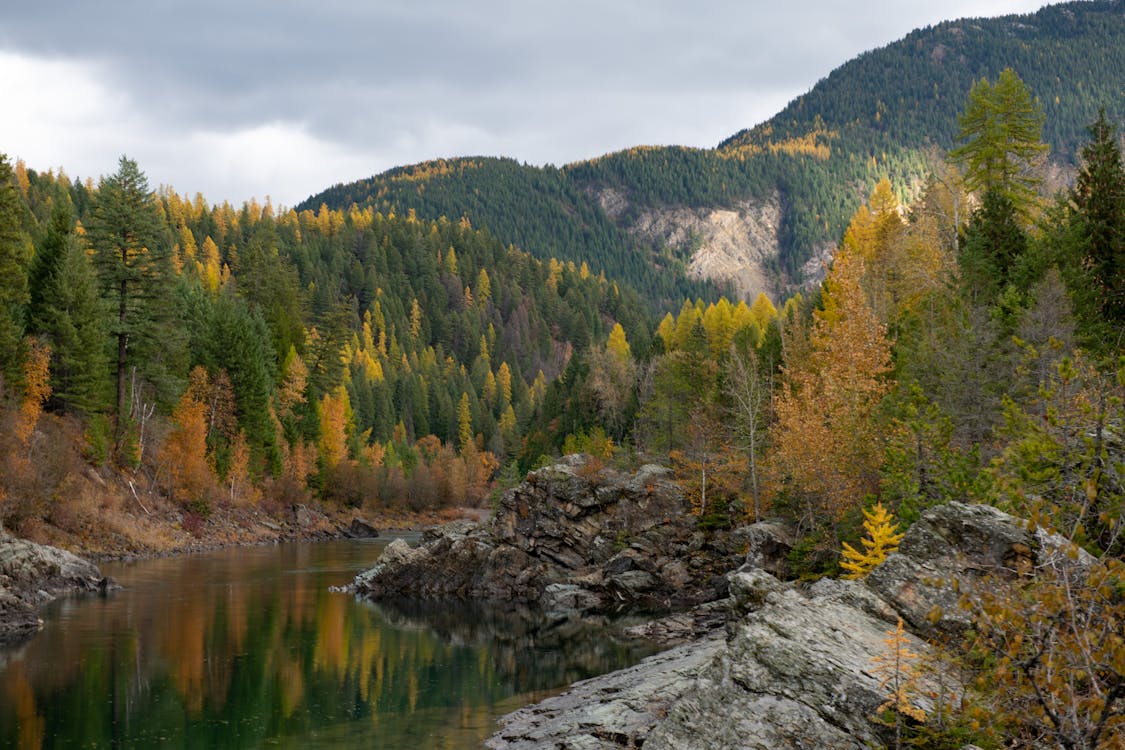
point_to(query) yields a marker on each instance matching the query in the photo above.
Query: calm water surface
(248, 648)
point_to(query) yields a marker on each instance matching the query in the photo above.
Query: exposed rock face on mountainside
(33, 574)
(574, 537)
(797, 666)
(735, 245)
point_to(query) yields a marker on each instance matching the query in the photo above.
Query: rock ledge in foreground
(796, 668)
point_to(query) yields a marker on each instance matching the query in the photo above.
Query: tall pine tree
(15, 256)
(1001, 130)
(69, 315)
(132, 256)
(1099, 200)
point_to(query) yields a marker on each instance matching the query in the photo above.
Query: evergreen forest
(888, 113)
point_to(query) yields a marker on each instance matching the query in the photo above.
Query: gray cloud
(367, 85)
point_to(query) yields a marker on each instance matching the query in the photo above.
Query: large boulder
(576, 537)
(33, 574)
(798, 667)
(768, 544)
(949, 550)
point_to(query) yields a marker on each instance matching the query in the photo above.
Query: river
(248, 648)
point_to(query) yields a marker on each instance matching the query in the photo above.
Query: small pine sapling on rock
(882, 539)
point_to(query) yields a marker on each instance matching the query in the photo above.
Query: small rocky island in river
(760, 663)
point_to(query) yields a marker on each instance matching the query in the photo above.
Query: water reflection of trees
(529, 650)
(233, 654)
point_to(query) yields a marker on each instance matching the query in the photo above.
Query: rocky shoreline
(761, 663)
(32, 575)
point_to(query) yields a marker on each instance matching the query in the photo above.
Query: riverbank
(121, 524)
(57, 552)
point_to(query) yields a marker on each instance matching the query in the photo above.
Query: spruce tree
(993, 244)
(15, 256)
(1099, 200)
(132, 256)
(69, 314)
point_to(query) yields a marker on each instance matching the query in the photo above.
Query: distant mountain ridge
(757, 212)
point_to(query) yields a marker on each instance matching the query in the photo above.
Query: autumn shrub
(280, 493)
(193, 523)
(76, 507)
(349, 484)
(1045, 658)
(591, 470)
(392, 488)
(594, 443)
(424, 490)
(34, 472)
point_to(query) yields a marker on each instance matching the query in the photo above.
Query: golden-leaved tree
(826, 447)
(190, 479)
(882, 539)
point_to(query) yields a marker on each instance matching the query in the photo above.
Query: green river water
(248, 648)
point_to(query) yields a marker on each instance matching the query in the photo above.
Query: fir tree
(134, 264)
(1099, 200)
(70, 316)
(15, 255)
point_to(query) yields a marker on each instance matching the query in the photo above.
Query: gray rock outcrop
(34, 574)
(798, 665)
(574, 537)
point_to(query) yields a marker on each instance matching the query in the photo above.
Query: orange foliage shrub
(183, 456)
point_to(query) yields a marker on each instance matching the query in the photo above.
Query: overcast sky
(249, 98)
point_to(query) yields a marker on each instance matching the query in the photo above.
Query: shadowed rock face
(33, 574)
(797, 665)
(574, 538)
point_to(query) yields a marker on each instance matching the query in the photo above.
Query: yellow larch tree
(898, 678)
(826, 448)
(504, 383)
(335, 426)
(211, 269)
(36, 388)
(617, 343)
(184, 452)
(881, 539)
(763, 310)
(484, 287)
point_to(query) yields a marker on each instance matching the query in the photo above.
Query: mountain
(759, 211)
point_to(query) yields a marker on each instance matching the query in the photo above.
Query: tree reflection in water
(241, 648)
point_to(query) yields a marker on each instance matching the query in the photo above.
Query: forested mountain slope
(646, 215)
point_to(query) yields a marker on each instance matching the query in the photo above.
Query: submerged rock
(359, 529)
(34, 574)
(574, 537)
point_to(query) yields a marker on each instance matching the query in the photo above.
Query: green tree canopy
(134, 265)
(15, 254)
(1001, 134)
(1099, 199)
